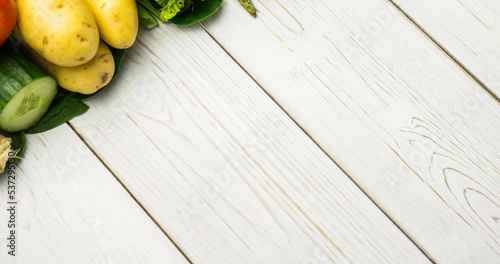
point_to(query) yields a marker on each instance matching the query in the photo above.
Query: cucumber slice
(26, 92)
(28, 105)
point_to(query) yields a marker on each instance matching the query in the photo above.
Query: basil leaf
(199, 10)
(62, 109)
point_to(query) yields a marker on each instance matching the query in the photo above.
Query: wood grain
(417, 133)
(72, 210)
(222, 169)
(468, 29)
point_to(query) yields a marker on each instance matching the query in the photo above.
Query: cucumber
(26, 92)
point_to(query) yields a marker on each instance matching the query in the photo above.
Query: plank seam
(421, 249)
(445, 51)
(130, 193)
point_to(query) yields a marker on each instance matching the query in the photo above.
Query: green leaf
(18, 144)
(62, 109)
(171, 9)
(117, 56)
(145, 18)
(199, 10)
(152, 8)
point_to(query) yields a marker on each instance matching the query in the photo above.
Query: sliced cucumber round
(28, 105)
(26, 92)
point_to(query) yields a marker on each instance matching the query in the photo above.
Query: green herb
(155, 10)
(198, 11)
(145, 18)
(180, 12)
(170, 8)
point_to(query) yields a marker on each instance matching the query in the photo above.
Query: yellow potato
(117, 21)
(63, 31)
(86, 78)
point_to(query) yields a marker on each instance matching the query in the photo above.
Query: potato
(117, 21)
(62, 31)
(86, 78)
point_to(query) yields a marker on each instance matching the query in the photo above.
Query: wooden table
(320, 132)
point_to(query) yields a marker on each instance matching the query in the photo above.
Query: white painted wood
(72, 210)
(222, 169)
(468, 29)
(411, 127)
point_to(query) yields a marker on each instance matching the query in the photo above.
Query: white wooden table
(322, 131)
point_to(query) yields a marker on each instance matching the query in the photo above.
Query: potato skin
(62, 31)
(117, 21)
(86, 78)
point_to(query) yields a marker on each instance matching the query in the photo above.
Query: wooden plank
(417, 133)
(468, 29)
(72, 210)
(222, 169)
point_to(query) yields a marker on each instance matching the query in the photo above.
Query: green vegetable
(181, 12)
(170, 8)
(26, 92)
(145, 18)
(200, 10)
(155, 10)
(247, 4)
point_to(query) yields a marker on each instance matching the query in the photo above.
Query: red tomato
(8, 18)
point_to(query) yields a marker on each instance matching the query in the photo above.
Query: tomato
(8, 18)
